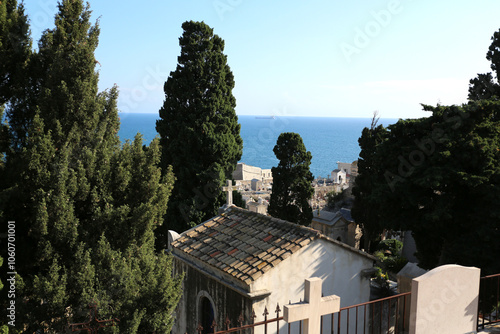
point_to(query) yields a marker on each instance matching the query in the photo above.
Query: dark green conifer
(85, 208)
(292, 181)
(200, 134)
(440, 178)
(366, 210)
(484, 86)
(15, 66)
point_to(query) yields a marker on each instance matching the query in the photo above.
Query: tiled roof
(346, 213)
(331, 218)
(326, 217)
(243, 244)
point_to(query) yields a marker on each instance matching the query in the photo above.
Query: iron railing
(489, 301)
(386, 315)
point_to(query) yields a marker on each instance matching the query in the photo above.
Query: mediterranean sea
(329, 139)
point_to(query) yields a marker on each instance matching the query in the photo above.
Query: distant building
(339, 176)
(351, 169)
(354, 168)
(246, 172)
(338, 225)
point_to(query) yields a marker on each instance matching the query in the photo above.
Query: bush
(389, 255)
(332, 198)
(393, 245)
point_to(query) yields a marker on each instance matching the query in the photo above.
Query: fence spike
(228, 322)
(241, 319)
(214, 324)
(265, 314)
(278, 310)
(199, 328)
(253, 316)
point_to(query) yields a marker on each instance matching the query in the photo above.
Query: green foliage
(381, 280)
(292, 180)
(394, 246)
(15, 49)
(440, 178)
(199, 129)
(484, 87)
(85, 208)
(366, 206)
(389, 255)
(333, 198)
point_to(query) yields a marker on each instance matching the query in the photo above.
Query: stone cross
(229, 190)
(312, 308)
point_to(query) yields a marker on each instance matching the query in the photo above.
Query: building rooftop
(346, 213)
(243, 244)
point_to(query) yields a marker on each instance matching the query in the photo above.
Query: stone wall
(226, 301)
(244, 172)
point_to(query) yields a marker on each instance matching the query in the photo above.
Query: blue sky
(294, 58)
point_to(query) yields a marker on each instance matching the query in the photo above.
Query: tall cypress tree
(366, 209)
(292, 180)
(15, 49)
(16, 62)
(199, 129)
(85, 208)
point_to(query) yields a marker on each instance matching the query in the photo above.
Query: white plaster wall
(336, 176)
(339, 268)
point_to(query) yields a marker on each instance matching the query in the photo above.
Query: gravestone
(405, 277)
(256, 184)
(445, 300)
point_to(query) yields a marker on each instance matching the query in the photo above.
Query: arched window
(206, 312)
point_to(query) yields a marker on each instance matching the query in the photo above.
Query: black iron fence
(489, 301)
(386, 315)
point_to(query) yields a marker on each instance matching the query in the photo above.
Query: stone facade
(338, 225)
(199, 285)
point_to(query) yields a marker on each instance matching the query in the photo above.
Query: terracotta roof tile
(286, 255)
(276, 262)
(244, 244)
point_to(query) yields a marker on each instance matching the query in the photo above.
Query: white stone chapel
(242, 261)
